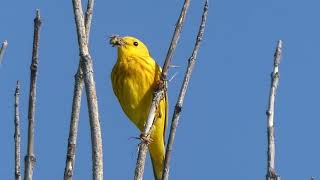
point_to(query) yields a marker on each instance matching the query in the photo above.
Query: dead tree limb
(159, 93)
(3, 50)
(17, 137)
(76, 104)
(30, 158)
(86, 66)
(183, 90)
(271, 172)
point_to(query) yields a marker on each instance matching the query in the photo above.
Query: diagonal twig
(76, 103)
(30, 158)
(271, 172)
(183, 90)
(86, 66)
(159, 92)
(3, 50)
(17, 139)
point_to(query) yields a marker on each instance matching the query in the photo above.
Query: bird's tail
(157, 154)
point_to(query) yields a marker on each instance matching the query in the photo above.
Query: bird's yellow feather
(134, 77)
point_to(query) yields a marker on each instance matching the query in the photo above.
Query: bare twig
(17, 170)
(3, 50)
(271, 173)
(30, 158)
(183, 90)
(159, 92)
(86, 66)
(76, 103)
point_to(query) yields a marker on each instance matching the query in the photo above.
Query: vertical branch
(86, 66)
(183, 90)
(271, 173)
(3, 50)
(17, 140)
(159, 92)
(76, 103)
(30, 158)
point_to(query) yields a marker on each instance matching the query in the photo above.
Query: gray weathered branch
(183, 90)
(159, 92)
(30, 158)
(86, 66)
(76, 104)
(271, 172)
(3, 50)
(17, 139)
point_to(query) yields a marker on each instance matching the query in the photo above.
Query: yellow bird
(134, 77)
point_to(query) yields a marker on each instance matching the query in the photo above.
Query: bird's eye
(135, 43)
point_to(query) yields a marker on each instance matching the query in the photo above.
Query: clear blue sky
(222, 132)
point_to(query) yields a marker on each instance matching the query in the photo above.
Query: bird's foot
(145, 138)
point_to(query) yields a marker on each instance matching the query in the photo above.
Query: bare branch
(17, 139)
(30, 158)
(76, 103)
(86, 66)
(159, 92)
(271, 173)
(183, 90)
(3, 50)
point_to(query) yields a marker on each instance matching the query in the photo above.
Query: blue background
(222, 132)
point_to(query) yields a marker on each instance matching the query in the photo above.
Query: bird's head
(129, 46)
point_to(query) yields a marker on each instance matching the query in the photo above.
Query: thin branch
(271, 172)
(159, 92)
(3, 50)
(30, 158)
(17, 139)
(86, 66)
(76, 103)
(183, 90)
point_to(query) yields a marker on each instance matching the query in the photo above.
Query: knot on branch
(88, 12)
(69, 173)
(16, 135)
(17, 173)
(71, 151)
(178, 108)
(31, 159)
(37, 19)
(191, 59)
(268, 113)
(34, 65)
(17, 92)
(79, 74)
(275, 75)
(85, 57)
(272, 174)
(159, 89)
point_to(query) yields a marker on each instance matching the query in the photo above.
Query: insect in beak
(116, 40)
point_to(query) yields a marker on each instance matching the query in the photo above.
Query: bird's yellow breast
(133, 81)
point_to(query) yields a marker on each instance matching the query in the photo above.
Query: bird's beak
(116, 40)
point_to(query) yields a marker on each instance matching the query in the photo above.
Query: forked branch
(183, 90)
(86, 66)
(76, 104)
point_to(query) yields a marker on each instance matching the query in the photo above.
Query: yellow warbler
(134, 77)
